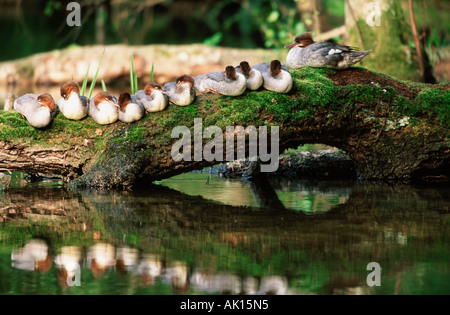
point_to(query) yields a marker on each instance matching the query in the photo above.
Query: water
(198, 234)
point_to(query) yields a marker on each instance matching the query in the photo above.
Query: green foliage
(434, 101)
(91, 89)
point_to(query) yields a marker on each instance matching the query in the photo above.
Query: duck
(103, 108)
(254, 77)
(276, 77)
(68, 264)
(152, 98)
(34, 255)
(229, 82)
(100, 258)
(129, 110)
(181, 92)
(39, 110)
(71, 104)
(305, 52)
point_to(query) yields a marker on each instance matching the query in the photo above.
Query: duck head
(47, 101)
(185, 79)
(302, 41)
(230, 72)
(68, 88)
(124, 100)
(245, 68)
(104, 97)
(149, 88)
(275, 68)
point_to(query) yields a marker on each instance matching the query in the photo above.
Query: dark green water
(196, 234)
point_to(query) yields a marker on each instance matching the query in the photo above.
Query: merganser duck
(103, 108)
(181, 92)
(126, 259)
(39, 110)
(100, 258)
(253, 76)
(152, 98)
(68, 262)
(275, 78)
(129, 111)
(71, 104)
(229, 83)
(149, 268)
(307, 53)
(35, 255)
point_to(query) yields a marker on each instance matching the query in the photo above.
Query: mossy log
(393, 130)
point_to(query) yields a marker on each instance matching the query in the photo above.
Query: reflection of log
(265, 195)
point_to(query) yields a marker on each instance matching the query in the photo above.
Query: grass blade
(83, 87)
(132, 75)
(104, 86)
(91, 90)
(151, 73)
(136, 86)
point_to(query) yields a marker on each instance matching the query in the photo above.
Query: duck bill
(290, 45)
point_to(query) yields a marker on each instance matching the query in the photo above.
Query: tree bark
(392, 130)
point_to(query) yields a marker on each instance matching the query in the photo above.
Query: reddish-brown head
(47, 101)
(302, 41)
(124, 100)
(185, 79)
(230, 72)
(275, 67)
(150, 87)
(68, 88)
(103, 97)
(245, 68)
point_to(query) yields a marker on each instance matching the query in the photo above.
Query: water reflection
(160, 241)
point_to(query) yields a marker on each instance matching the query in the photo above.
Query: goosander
(253, 76)
(307, 53)
(103, 108)
(34, 255)
(68, 263)
(100, 257)
(39, 110)
(129, 111)
(71, 104)
(275, 78)
(229, 83)
(181, 92)
(152, 98)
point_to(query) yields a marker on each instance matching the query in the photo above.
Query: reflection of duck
(307, 53)
(129, 111)
(229, 83)
(275, 77)
(177, 275)
(274, 285)
(100, 258)
(68, 262)
(152, 98)
(149, 268)
(254, 77)
(181, 92)
(33, 256)
(104, 109)
(39, 110)
(126, 259)
(71, 104)
(222, 283)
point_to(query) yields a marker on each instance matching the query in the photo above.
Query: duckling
(71, 104)
(181, 92)
(152, 98)
(103, 108)
(253, 76)
(39, 110)
(129, 111)
(275, 77)
(307, 53)
(229, 83)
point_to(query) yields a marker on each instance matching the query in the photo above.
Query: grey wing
(26, 102)
(262, 67)
(169, 87)
(216, 76)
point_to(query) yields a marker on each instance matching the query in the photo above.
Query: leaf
(91, 90)
(83, 87)
(104, 86)
(132, 75)
(151, 73)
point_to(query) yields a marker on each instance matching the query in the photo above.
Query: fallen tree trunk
(392, 130)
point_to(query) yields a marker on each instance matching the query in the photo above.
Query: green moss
(434, 101)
